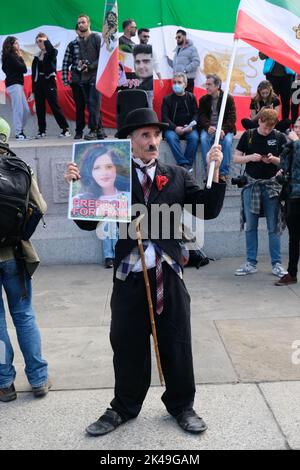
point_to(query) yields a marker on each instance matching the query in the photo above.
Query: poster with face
(103, 192)
(143, 66)
(136, 67)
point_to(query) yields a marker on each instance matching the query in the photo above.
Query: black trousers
(79, 100)
(46, 89)
(283, 88)
(130, 340)
(190, 85)
(93, 101)
(293, 224)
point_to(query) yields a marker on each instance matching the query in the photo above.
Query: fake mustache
(152, 148)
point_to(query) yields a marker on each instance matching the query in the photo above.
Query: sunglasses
(40, 40)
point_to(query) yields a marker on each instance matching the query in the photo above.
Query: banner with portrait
(136, 67)
(103, 192)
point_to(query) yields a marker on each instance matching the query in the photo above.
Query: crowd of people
(272, 176)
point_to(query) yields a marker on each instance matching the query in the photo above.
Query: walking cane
(149, 298)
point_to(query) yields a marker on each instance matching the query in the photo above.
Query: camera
(239, 181)
(81, 64)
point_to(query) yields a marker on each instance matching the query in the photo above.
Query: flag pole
(222, 110)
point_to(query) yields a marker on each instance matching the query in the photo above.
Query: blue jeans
(20, 109)
(207, 142)
(271, 208)
(192, 140)
(27, 331)
(110, 241)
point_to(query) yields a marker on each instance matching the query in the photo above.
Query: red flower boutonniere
(161, 181)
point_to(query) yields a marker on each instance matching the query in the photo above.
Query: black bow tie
(144, 168)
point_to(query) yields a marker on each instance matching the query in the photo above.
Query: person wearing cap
(153, 184)
(12, 275)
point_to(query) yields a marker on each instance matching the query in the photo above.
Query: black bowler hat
(142, 117)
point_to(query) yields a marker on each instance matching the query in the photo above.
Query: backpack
(196, 256)
(15, 182)
(250, 138)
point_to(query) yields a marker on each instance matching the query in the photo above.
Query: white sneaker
(65, 133)
(278, 270)
(245, 269)
(21, 136)
(40, 135)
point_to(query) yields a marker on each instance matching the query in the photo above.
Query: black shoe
(40, 135)
(101, 134)
(42, 391)
(189, 421)
(78, 136)
(92, 135)
(65, 133)
(108, 422)
(21, 136)
(8, 394)
(108, 263)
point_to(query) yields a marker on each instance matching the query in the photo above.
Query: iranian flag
(272, 27)
(107, 73)
(211, 30)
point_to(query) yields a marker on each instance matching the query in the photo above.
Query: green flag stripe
(292, 5)
(19, 16)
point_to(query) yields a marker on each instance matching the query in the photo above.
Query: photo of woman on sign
(103, 192)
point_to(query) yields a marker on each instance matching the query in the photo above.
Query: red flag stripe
(108, 81)
(266, 41)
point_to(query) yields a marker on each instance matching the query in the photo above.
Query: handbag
(33, 217)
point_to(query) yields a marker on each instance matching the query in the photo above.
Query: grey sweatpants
(20, 109)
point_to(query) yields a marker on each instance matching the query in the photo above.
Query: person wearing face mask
(179, 110)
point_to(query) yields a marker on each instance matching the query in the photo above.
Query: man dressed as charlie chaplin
(153, 183)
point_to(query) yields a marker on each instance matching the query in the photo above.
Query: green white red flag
(107, 73)
(272, 27)
(210, 31)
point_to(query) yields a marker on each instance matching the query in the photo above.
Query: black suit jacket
(181, 189)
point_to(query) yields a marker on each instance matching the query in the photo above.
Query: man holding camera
(259, 150)
(89, 50)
